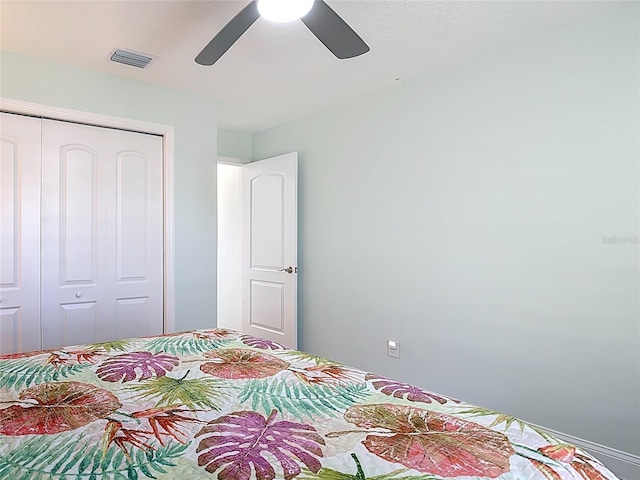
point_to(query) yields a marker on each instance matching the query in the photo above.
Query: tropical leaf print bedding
(218, 404)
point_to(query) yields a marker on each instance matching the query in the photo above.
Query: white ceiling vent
(129, 57)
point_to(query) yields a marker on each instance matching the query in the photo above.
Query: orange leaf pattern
(329, 374)
(238, 363)
(433, 442)
(566, 454)
(58, 407)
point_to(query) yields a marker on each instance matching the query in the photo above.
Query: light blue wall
(463, 214)
(194, 118)
(234, 144)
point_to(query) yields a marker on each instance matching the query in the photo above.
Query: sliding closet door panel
(19, 233)
(102, 219)
(139, 237)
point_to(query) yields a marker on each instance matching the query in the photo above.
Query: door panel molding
(11, 228)
(269, 256)
(168, 144)
(78, 206)
(132, 224)
(266, 306)
(10, 329)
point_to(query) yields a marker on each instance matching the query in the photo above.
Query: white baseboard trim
(624, 465)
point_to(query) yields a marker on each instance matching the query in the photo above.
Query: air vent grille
(127, 57)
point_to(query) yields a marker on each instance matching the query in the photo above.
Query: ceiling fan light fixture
(284, 10)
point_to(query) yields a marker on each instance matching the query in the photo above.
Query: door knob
(288, 270)
(78, 294)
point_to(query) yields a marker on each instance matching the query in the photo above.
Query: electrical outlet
(393, 348)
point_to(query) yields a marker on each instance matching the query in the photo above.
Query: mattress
(219, 404)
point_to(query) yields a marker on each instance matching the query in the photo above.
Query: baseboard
(624, 465)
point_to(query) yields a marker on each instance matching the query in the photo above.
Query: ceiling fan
(319, 17)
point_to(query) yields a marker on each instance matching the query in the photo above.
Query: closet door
(102, 270)
(19, 233)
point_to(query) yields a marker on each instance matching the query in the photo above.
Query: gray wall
(234, 144)
(194, 118)
(463, 214)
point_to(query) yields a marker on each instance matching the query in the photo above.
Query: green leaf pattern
(72, 456)
(19, 373)
(188, 344)
(197, 393)
(299, 399)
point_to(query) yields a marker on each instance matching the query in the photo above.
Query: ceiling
(275, 72)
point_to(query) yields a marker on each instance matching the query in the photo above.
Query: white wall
(35, 80)
(230, 246)
(463, 214)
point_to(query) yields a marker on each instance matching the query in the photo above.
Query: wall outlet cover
(393, 348)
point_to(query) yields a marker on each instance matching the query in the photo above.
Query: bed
(219, 404)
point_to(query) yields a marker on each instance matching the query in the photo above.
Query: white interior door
(270, 250)
(19, 233)
(102, 230)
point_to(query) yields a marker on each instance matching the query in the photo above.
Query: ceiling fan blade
(334, 32)
(226, 37)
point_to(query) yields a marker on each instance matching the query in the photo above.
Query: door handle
(289, 269)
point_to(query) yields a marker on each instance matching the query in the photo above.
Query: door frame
(224, 282)
(168, 144)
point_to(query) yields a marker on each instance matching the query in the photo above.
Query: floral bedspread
(218, 404)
